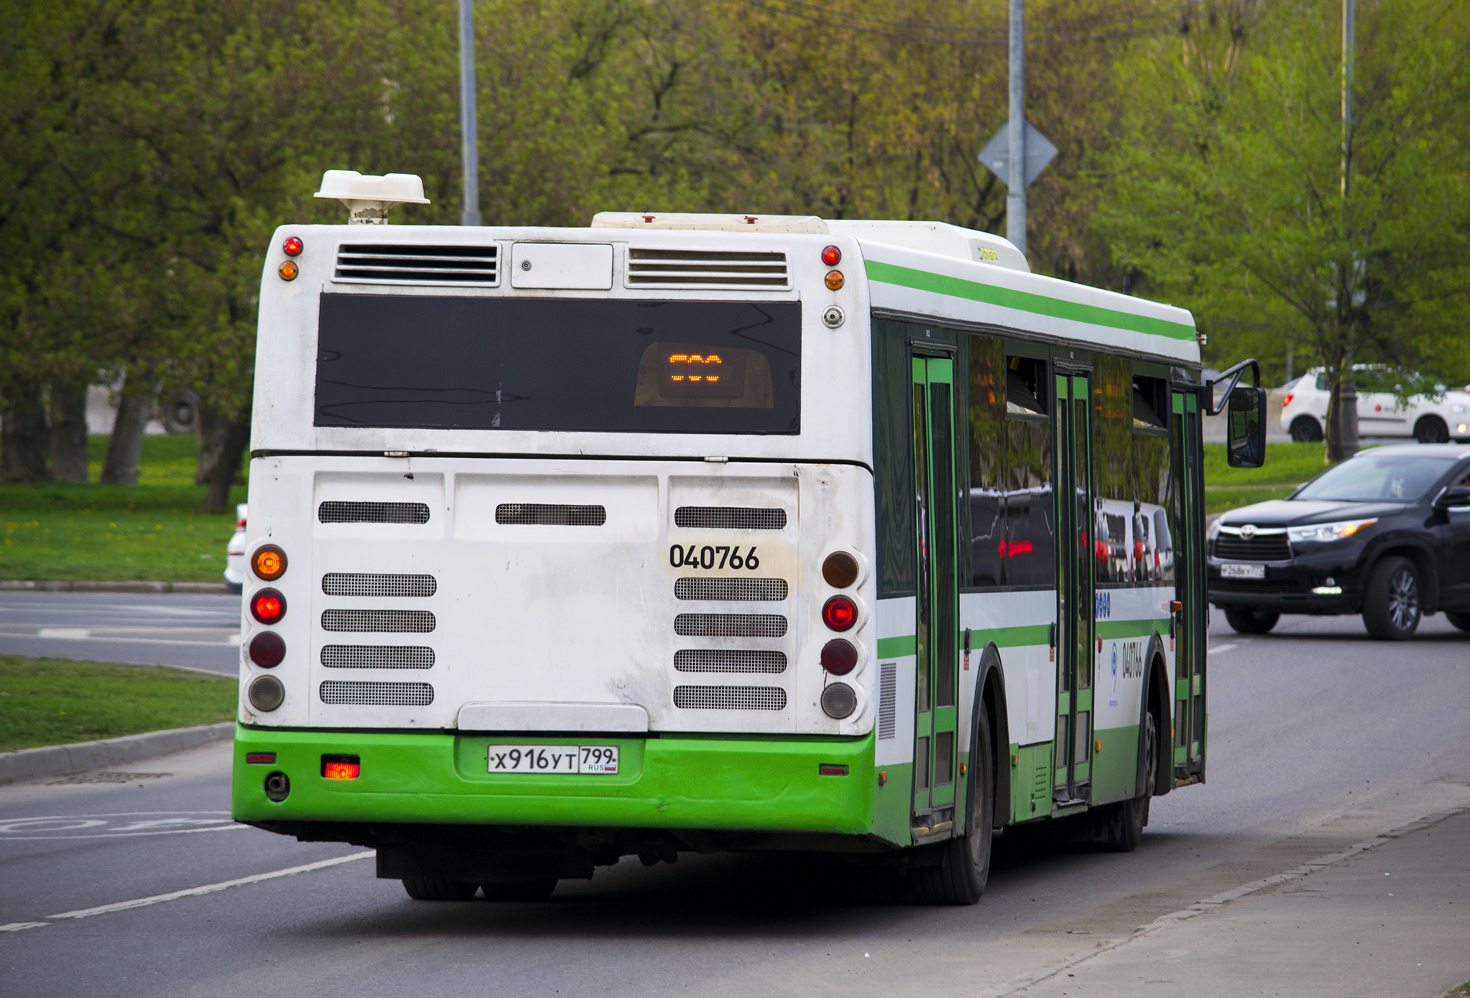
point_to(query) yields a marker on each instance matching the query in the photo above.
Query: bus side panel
(894, 741)
(1127, 620)
(1031, 776)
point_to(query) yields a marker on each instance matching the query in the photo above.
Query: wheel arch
(1420, 555)
(990, 696)
(1156, 696)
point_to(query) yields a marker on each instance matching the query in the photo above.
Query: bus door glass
(936, 722)
(1075, 609)
(1189, 583)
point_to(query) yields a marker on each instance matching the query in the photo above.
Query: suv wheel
(1393, 601)
(1305, 430)
(1431, 430)
(1250, 621)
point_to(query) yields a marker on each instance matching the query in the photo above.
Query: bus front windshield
(1378, 478)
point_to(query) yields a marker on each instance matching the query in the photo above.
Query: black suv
(1385, 534)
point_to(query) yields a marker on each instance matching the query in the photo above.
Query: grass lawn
(52, 701)
(1287, 466)
(153, 530)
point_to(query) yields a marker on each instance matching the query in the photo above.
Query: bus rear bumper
(734, 783)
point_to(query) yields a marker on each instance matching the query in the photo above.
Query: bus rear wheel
(438, 889)
(964, 864)
(1244, 621)
(524, 890)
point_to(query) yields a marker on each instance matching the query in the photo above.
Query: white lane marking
(212, 888)
(235, 638)
(232, 827)
(1219, 648)
(19, 926)
(128, 824)
(64, 633)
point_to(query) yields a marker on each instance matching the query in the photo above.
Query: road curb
(63, 586)
(63, 760)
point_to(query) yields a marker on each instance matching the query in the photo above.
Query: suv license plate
(550, 759)
(1242, 571)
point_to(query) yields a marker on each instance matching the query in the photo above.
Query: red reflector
(260, 758)
(831, 256)
(839, 656)
(839, 613)
(268, 606)
(340, 770)
(831, 769)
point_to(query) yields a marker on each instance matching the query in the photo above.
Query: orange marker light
(288, 270)
(834, 280)
(269, 562)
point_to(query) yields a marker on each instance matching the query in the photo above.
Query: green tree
(1229, 194)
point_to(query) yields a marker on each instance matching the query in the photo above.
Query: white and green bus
(704, 532)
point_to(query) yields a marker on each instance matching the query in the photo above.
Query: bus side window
(893, 450)
(987, 429)
(1031, 519)
(1150, 471)
(1112, 453)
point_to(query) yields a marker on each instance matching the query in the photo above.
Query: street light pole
(467, 117)
(1016, 182)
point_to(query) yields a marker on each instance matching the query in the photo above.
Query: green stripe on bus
(1025, 301)
(1110, 630)
(1004, 637)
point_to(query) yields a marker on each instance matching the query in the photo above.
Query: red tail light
(292, 246)
(839, 613)
(268, 606)
(839, 656)
(348, 769)
(1287, 401)
(267, 649)
(831, 256)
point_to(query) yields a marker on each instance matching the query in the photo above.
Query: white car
(1429, 419)
(235, 554)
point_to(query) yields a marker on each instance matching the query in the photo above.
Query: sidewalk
(1391, 920)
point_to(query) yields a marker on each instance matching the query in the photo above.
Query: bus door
(936, 757)
(1189, 591)
(1075, 655)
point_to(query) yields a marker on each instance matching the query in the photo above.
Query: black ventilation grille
(730, 697)
(475, 266)
(729, 660)
(538, 514)
(377, 657)
(769, 590)
(730, 625)
(375, 694)
(379, 621)
(1262, 547)
(650, 268)
(373, 512)
(730, 518)
(887, 699)
(360, 584)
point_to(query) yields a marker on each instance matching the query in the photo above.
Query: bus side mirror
(1245, 427)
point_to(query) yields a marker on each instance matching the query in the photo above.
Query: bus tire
(1125, 830)
(964, 865)
(523, 890)
(1393, 600)
(438, 889)
(1244, 621)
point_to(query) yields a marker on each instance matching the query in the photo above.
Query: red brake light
(292, 246)
(839, 613)
(1287, 401)
(267, 649)
(341, 770)
(839, 656)
(268, 606)
(241, 524)
(831, 256)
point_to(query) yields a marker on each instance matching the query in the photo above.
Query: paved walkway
(1391, 920)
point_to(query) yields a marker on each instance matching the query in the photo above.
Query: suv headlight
(1214, 529)
(1323, 532)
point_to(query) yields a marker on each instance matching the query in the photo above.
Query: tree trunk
(125, 449)
(69, 432)
(221, 475)
(212, 429)
(1342, 420)
(22, 434)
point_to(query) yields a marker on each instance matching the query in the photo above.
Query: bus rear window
(544, 364)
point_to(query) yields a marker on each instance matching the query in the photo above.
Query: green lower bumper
(706, 782)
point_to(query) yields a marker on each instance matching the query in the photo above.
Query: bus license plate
(1242, 571)
(548, 759)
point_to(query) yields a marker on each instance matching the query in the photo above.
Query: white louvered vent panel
(458, 266)
(650, 268)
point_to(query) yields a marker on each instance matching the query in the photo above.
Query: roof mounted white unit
(808, 224)
(937, 237)
(368, 198)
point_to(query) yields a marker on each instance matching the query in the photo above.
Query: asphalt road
(195, 631)
(1320, 737)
